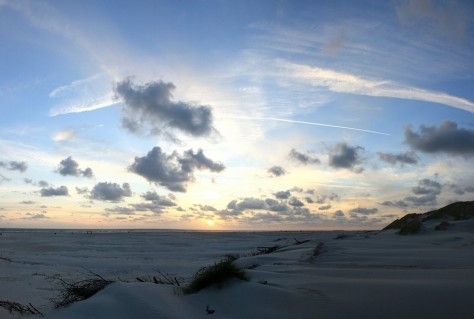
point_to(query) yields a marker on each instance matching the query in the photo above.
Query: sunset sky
(237, 115)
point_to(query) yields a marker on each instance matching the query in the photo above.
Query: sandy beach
(312, 274)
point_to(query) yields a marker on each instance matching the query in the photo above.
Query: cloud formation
(426, 186)
(364, 211)
(110, 191)
(70, 167)
(400, 158)
(398, 204)
(447, 138)
(303, 158)
(348, 83)
(251, 209)
(51, 191)
(282, 194)
(150, 105)
(14, 166)
(345, 156)
(295, 202)
(276, 171)
(172, 171)
(158, 199)
(425, 193)
(460, 190)
(83, 95)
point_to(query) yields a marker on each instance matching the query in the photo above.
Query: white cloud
(82, 95)
(342, 82)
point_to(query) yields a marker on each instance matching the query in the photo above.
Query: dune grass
(218, 273)
(73, 291)
(15, 307)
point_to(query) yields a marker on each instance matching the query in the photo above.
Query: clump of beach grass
(73, 291)
(219, 273)
(162, 279)
(15, 307)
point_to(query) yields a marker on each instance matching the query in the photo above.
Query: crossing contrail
(307, 123)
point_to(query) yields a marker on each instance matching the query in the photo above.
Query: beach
(323, 274)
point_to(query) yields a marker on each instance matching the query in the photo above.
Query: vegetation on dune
(218, 273)
(456, 211)
(162, 279)
(412, 223)
(73, 291)
(15, 307)
(221, 272)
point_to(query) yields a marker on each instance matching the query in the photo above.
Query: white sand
(364, 275)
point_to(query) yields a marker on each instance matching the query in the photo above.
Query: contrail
(307, 123)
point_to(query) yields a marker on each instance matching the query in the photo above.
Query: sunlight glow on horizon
(309, 115)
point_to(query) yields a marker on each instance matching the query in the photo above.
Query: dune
(373, 274)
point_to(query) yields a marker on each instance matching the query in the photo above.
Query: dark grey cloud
(154, 203)
(469, 189)
(87, 172)
(207, 208)
(425, 192)
(27, 202)
(345, 156)
(447, 138)
(424, 200)
(190, 161)
(150, 105)
(154, 207)
(158, 199)
(459, 189)
(276, 206)
(294, 215)
(364, 211)
(250, 203)
(110, 191)
(321, 199)
(426, 186)
(82, 190)
(232, 204)
(172, 171)
(121, 210)
(400, 158)
(282, 194)
(14, 166)
(398, 204)
(251, 209)
(339, 214)
(43, 183)
(70, 167)
(303, 158)
(324, 207)
(51, 191)
(295, 202)
(37, 215)
(276, 171)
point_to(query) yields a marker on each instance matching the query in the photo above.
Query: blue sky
(233, 114)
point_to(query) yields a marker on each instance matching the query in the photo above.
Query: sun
(210, 223)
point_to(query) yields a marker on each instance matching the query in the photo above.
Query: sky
(234, 115)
